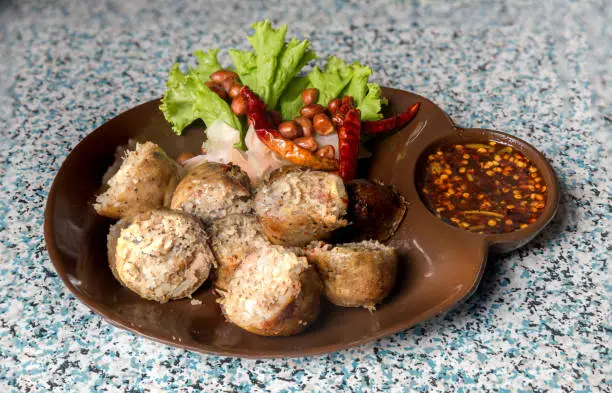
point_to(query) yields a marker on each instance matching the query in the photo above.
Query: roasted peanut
(334, 105)
(290, 129)
(276, 117)
(217, 89)
(306, 125)
(184, 157)
(310, 96)
(310, 110)
(322, 124)
(226, 84)
(326, 151)
(307, 142)
(238, 106)
(234, 89)
(221, 75)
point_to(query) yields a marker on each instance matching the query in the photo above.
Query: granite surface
(540, 320)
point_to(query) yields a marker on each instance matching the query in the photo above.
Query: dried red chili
(290, 151)
(348, 144)
(374, 127)
(256, 110)
(483, 187)
(347, 120)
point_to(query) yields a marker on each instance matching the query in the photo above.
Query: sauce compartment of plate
(488, 183)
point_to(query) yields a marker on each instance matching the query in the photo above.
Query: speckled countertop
(540, 320)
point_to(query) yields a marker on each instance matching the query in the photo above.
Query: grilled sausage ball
(355, 274)
(212, 190)
(143, 179)
(273, 293)
(296, 206)
(161, 254)
(232, 239)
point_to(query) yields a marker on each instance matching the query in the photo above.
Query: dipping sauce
(486, 187)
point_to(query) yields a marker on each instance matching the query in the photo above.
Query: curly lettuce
(338, 79)
(187, 98)
(371, 104)
(273, 64)
(207, 64)
(332, 80)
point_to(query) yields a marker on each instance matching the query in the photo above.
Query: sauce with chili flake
(486, 188)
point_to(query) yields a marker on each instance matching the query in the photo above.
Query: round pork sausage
(212, 190)
(296, 206)
(160, 254)
(355, 274)
(273, 293)
(141, 179)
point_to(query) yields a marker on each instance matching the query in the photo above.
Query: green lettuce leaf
(291, 100)
(268, 44)
(339, 79)
(187, 98)
(366, 95)
(207, 64)
(371, 105)
(177, 103)
(357, 88)
(294, 56)
(330, 82)
(245, 63)
(208, 106)
(273, 64)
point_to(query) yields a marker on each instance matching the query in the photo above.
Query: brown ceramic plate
(441, 265)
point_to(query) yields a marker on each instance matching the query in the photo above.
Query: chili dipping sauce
(486, 188)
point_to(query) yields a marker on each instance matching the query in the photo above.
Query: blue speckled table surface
(540, 320)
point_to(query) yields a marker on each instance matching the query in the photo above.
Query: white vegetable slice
(219, 147)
